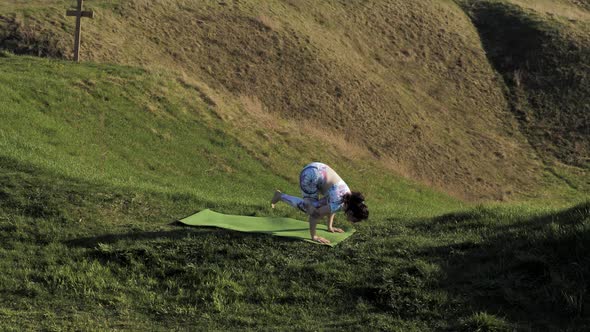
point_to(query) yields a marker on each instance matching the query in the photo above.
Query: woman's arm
(312, 228)
(331, 223)
(318, 213)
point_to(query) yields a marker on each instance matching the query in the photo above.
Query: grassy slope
(175, 136)
(408, 82)
(86, 241)
(95, 154)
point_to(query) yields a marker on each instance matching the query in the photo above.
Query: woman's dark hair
(355, 204)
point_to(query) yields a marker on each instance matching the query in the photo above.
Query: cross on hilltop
(79, 14)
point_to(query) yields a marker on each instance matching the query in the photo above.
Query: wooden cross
(79, 14)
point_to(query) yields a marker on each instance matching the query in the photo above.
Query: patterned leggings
(299, 203)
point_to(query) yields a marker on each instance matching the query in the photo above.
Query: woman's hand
(335, 230)
(321, 239)
(331, 228)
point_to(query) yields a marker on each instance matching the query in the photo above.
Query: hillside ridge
(410, 83)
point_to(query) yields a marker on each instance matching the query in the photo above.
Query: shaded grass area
(94, 251)
(77, 255)
(545, 63)
(527, 266)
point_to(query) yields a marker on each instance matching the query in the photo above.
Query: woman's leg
(295, 202)
(310, 180)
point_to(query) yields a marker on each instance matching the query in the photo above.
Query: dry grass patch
(553, 7)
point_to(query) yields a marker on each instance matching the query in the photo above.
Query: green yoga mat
(286, 227)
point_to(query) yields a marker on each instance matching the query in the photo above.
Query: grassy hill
(176, 114)
(411, 83)
(97, 160)
(96, 156)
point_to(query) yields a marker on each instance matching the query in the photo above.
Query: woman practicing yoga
(316, 178)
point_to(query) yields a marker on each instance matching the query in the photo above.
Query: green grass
(96, 161)
(117, 125)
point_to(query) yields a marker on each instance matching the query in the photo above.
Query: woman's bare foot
(275, 198)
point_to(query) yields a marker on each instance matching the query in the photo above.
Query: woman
(316, 178)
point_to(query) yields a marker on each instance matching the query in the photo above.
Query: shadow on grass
(482, 217)
(533, 271)
(542, 68)
(183, 232)
(93, 241)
